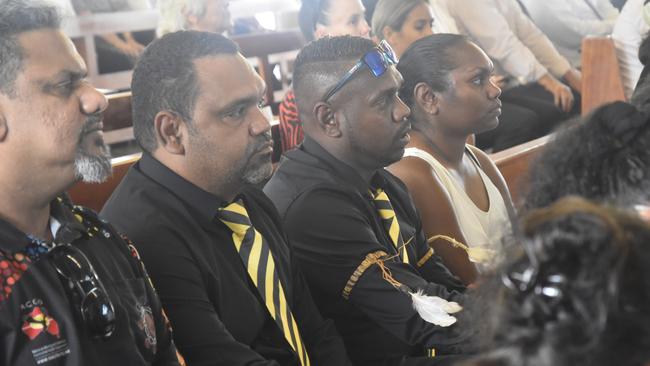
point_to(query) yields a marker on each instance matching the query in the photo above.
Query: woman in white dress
(463, 200)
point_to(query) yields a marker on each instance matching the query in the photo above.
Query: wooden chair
(601, 75)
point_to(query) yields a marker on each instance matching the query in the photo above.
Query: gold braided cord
(425, 258)
(370, 259)
(455, 243)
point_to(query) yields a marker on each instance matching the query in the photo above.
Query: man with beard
(211, 240)
(72, 291)
(354, 229)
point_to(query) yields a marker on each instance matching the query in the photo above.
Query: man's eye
(478, 81)
(65, 84)
(236, 113)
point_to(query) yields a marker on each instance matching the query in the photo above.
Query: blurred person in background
(199, 15)
(630, 28)
(116, 51)
(567, 22)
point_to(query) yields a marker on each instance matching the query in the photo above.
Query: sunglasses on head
(87, 291)
(377, 61)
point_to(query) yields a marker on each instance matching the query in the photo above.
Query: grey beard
(93, 168)
(256, 176)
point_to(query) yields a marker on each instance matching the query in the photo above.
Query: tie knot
(235, 216)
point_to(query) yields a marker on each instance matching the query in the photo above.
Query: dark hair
(165, 78)
(605, 158)
(312, 12)
(576, 292)
(16, 17)
(325, 59)
(428, 60)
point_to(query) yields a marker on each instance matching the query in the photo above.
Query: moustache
(92, 123)
(262, 142)
(404, 130)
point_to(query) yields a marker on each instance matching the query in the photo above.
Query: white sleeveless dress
(483, 230)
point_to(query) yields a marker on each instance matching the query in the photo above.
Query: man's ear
(169, 128)
(426, 98)
(326, 119)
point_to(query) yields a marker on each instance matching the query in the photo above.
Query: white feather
(434, 309)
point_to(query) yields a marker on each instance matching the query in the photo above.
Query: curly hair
(606, 158)
(576, 292)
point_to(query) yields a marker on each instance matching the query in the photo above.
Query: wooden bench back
(514, 164)
(601, 75)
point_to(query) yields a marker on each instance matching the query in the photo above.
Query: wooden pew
(515, 162)
(118, 119)
(601, 76)
(94, 195)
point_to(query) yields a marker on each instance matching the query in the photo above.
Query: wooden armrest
(601, 74)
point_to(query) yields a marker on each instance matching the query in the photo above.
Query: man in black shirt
(72, 291)
(330, 191)
(212, 243)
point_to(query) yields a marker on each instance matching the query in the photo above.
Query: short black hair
(312, 12)
(165, 78)
(606, 158)
(428, 60)
(16, 17)
(322, 62)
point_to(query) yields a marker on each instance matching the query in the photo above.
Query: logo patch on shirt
(38, 323)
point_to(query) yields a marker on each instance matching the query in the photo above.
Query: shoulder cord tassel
(432, 309)
(476, 255)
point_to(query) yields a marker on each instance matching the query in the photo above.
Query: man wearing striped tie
(213, 243)
(352, 224)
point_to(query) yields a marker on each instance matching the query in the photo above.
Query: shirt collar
(341, 169)
(204, 203)
(70, 228)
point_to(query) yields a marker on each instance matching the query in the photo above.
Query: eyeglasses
(377, 60)
(88, 292)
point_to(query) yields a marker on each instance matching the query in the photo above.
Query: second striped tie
(258, 260)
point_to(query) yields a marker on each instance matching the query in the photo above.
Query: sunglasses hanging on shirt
(85, 289)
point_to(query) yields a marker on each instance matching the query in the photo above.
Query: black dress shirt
(216, 311)
(39, 320)
(332, 225)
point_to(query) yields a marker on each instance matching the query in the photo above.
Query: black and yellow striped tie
(387, 214)
(258, 260)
